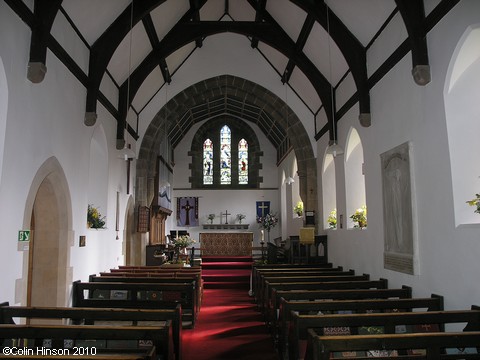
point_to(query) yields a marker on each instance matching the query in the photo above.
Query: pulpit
(226, 244)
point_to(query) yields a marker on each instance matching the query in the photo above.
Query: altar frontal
(226, 244)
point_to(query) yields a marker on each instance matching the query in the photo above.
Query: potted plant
(298, 209)
(360, 217)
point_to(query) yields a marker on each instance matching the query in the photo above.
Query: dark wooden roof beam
(45, 12)
(413, 14)
(301, 41)
(259, 10)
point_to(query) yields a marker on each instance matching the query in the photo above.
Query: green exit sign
(24, 235)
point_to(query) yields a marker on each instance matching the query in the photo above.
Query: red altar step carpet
(229, 326)
(226, 272)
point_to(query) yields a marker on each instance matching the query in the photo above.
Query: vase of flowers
(211, 217)
(360, 217)
(240, 217)
(332, 219)
(95, 220)
(180, 244)
(268, 222)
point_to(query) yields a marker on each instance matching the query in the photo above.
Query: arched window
(225, 154)
(208, 162)
(243, 162)
(354, 177)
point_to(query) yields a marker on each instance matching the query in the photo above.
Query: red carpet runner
(229, 326)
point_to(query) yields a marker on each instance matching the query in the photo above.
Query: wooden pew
(259, 286)
(268, 283)
(89, 316)
(271, 303)
(322, 347)
(257, 269)
(137, 295)
(382, 322)
(61, 333)
(434, 303)
(153, 278)
(336, 294)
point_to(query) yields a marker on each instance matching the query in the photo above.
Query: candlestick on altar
(262, 237)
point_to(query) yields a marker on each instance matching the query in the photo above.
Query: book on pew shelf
(336, 330)
(347, 354)
(101, 294)
(47, 343)
(122, 344)
(119, 294)
(468, 350)
(154, 295)
(422, 328)
(371, 330)
(142, 344)
(382, 353)
(89, 343)
(68, 343)
(403, 329)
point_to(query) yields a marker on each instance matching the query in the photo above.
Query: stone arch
(244, 92)
(48, 213)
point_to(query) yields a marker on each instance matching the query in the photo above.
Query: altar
(226, 244)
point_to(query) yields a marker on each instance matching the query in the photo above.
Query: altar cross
(226, 216)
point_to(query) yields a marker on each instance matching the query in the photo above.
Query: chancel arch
(195, 104)
(461, 95)
(354, 175)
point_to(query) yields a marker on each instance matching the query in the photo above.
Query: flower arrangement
(360, 217)
(298, 209)
(268, 221)
(95, 220)
(211, 217)
(332, 219)
(240, 217)
(183, 242)
(475, 202)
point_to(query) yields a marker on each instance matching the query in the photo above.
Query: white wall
(46, 120)
(402, 111)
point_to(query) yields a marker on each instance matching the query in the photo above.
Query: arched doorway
(49, 207)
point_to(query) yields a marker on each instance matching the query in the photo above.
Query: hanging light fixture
(127, 152)
(333, 148)
(289, 180)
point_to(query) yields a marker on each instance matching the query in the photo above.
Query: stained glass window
(225, 156)
(208, 162)
(243, 162)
